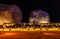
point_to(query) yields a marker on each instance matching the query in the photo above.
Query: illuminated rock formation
(39, 16)
(10, 13)
(5, 17)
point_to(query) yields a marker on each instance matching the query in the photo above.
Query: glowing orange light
(53, 29)
(7, 34)
(6, 29)
(37, 29)
(43, 21)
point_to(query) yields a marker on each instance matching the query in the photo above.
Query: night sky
(52, 7)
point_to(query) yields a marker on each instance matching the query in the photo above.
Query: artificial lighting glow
(43, 21)
(6, 29)
(18, 29)
(1, 22)
(29, 23)
(31, 29)
(53, 29)
(44, 29)
(13, 29)
(1, 29)
(37, 29)
(7, 34)
(9, 24)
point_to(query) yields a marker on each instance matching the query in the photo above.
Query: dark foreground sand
(29, 35)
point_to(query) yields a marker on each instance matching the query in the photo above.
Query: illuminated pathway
(29, 33)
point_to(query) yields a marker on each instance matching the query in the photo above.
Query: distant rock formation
(39, 16)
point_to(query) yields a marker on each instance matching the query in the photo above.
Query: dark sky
(26, 6)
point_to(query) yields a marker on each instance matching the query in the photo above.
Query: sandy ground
(29, 35)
